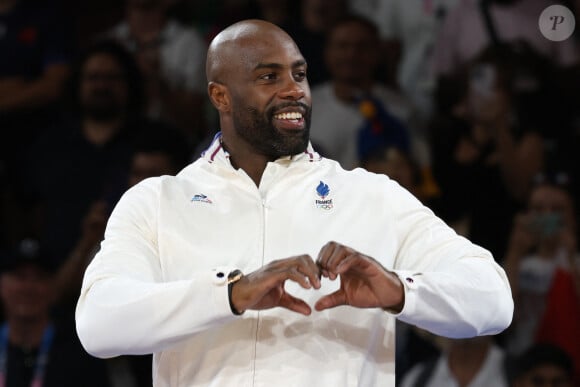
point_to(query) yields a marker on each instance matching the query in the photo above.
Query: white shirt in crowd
(491, 373)
(183, 53)
(335, 123)
(464, 34)
(415, 24)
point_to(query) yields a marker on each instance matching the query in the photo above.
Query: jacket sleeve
(453, 287)
(125, 307)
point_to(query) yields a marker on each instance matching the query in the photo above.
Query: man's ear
(219, 96)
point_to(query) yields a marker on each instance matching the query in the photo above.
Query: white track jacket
(157, 284)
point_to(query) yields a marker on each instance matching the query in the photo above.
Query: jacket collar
(216, 153)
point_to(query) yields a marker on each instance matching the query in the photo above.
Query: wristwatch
(234, 277)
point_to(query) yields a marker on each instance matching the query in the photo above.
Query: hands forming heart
(364, 282)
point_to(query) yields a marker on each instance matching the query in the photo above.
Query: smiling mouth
(292, 121)
(290, 116)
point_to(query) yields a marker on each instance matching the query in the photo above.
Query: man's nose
(292, 89)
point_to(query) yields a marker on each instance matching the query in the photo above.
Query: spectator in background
(543, 365)
(378, 153)
(210, 16)
(408, 34)
(92, 17)
(278, 12)
(395, 163)
(353, 100)
(316, 19)
(488, 145)
(34, 65)
(466, 32)
(564, 135)
(543, 265)
(171, 57)
(159, 150)
(36, 349)
(93, 147)
(473, 362)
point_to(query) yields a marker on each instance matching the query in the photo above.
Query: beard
(258, 130)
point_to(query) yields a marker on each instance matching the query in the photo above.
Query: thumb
(294, 304)
(331, 300)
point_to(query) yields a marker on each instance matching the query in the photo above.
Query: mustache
(306, 108)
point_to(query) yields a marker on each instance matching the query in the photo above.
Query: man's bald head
(234, 46)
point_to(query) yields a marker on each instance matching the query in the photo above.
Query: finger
(358, 263)
(331, 300)
(308, 268)
(324, 273)
(339, 254)
(295, 275)
(294, 268)
(323, 255)
(294, 304)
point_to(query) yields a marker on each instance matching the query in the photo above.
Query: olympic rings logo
(324, 204)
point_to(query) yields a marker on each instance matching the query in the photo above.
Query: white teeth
(288, 116)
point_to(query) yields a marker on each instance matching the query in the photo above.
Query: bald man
(262, 263)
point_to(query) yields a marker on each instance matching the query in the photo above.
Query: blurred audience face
(320, 15)
(103, 88)
(6, 5)
(546, 375)
(352, 52)
(149, 164)
(26, 292)
(396, 165)
(553, 208)
(486, 99)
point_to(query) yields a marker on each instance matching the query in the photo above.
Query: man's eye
(268, 77)
(300, 75)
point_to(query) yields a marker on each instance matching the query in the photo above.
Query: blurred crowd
(465, 103)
